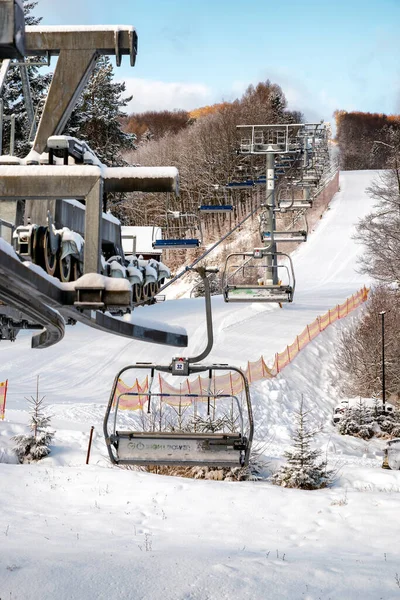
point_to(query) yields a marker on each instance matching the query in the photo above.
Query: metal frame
(278, 139)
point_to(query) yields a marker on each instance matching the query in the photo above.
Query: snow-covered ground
(73, 531)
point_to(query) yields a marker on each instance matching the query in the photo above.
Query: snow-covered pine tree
(97, 117)
(13, 97)
(35, 445)
(215, 286)
(303, 470)
(358, 421)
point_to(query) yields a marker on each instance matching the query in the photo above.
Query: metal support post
(12, 136)
(30, 112)
(270, 201)
(1, 125)
(383, 361)
(93, 224)
(5, 65)
(89, 445)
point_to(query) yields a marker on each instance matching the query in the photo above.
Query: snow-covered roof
(140, 172)
(73, 28)
(144, 239)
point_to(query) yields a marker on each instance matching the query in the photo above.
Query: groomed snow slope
(71, 531)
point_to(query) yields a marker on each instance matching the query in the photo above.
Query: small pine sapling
(303, 470)
(35, 445)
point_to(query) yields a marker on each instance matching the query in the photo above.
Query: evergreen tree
(34, 446)
(13, 97)
(358, 421)
(97, 116)
(303, 470)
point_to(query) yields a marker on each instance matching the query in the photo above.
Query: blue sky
(324, 54)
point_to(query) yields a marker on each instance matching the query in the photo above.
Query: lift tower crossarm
(78, 49)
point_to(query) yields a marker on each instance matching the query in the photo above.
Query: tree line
(365, 139)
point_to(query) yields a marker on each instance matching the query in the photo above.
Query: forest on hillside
(201, 144)
(367, 140)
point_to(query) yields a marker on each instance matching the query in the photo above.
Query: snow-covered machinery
(189, 421)
(58, 246)
(251, 276)
(58, 252)
(85, 285)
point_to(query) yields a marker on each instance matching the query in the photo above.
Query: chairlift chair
(210, 441)
(183, 231)
(286, 201)
(287, 235)
(216, 448)
(249, 277)
(216, 202)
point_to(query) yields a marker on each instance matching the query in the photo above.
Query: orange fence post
(308, 331)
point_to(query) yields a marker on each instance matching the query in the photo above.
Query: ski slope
(86, 361)
(71, 531)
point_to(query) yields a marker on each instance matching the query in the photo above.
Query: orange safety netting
(232, 383)
(127, 402)
(282, 359)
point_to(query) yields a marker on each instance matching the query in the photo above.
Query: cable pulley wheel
(136, 292)
(50, 259)
(37, 246)
(66, 268)
(76, 269)
(145, 292)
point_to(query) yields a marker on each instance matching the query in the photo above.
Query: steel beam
(78, 49)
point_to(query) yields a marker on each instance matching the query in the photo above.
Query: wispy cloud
(314, 105)
(159, 95)
(64, 12)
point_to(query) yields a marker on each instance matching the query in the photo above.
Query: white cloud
(159, 95)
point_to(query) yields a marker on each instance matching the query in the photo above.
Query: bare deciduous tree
(359, 355)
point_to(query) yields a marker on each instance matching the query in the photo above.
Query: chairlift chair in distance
(288, 235)
(215, 202)
(248, 277)
(183, 231)
(212, 447)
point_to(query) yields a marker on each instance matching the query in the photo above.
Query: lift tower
(271, 140)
